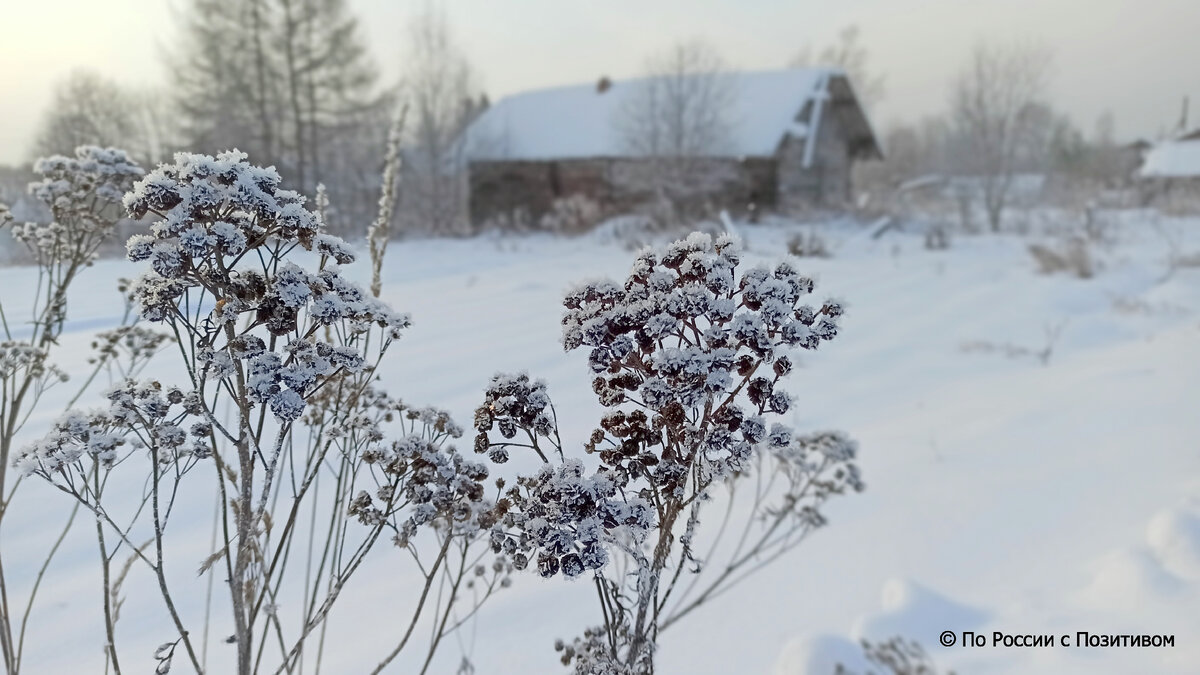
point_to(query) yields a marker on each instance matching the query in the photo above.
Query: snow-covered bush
(517, 220)
(574, 214)
(1072, 256)
(936, 238)
(689, 358)
(279, 351)
(1098, 224)
(811, 245)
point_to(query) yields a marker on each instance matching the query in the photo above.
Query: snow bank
(1001, 494)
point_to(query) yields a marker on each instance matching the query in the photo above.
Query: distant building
(1175, 158)
(1169, 175)
(794, 137)
(1130, 158)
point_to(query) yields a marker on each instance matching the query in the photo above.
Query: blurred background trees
(997, 109)
(293, 83)
(90, 109)
(849, 53)
(441, 91)
(678, 115)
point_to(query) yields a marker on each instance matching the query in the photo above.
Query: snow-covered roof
(1173, 159)
(581, 121)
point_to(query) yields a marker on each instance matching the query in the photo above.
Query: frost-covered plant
(689, 358)
(380, 232)
(82, 193)
(1051, 331)
(895, 656)
(125, 349)
(279, 351)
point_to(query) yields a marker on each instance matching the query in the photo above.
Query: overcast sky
(1136, 58)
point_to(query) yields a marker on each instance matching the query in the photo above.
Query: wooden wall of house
(506, 188)
(826, 183)
(618, 185)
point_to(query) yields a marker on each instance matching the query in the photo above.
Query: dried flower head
(688, 357)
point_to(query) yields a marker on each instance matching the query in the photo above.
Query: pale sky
(1135, 58)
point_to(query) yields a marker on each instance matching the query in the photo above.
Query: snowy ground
(1003, 494)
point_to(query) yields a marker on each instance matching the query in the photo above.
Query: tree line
(293, 84)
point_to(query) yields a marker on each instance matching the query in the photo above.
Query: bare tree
(681, 108)
(328, 77)
(1107, 162)
(439, 90)
(157, 131)
(849, 54)
(224, 83)
(89, 109)
(288, 81)
(994, 106)
(680, 112)
(86, 109)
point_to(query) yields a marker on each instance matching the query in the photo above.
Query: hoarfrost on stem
(280, 352)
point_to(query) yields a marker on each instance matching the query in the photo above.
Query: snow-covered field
(1003, 493)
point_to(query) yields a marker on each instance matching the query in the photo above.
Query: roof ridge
(615, 81)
